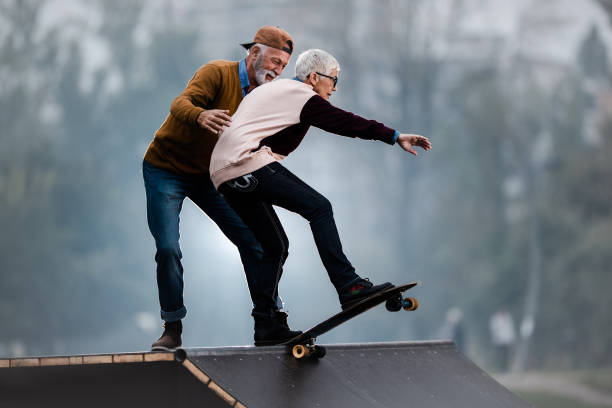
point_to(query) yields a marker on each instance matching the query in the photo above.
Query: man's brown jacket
(180, 145)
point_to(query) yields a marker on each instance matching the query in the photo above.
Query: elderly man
(176, 164)
(269, 124)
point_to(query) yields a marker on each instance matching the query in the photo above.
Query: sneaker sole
(264, 343)
(276, 342)
(163, 348)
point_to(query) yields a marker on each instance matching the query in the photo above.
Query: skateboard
(304, 344)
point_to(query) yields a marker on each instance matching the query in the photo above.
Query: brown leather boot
(170, 338)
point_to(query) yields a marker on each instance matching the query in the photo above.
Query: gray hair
(262, 48)
(315, 60)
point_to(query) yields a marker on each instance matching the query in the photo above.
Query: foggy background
(510, 210)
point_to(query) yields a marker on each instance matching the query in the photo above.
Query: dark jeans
(254, 194)
(166, 192)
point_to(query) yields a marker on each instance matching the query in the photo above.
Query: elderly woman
(269, 124)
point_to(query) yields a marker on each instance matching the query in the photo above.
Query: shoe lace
(361, 284)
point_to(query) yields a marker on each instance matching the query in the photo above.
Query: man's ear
(313, 77)
(255, 50)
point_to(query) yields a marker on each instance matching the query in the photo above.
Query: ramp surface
(428, 374)
(425, 374)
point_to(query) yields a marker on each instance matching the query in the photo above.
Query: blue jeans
(253, 197)
(165, 194)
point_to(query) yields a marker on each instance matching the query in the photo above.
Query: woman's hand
(407, 141)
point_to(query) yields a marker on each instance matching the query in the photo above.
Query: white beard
(260, 76)
(260, 73)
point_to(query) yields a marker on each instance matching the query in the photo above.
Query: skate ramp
(423, 374)
(103, 381)
(427, 374)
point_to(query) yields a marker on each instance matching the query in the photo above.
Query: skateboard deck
(304, 344)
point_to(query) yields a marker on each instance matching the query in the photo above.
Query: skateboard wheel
(300, 351)
(394, 304)
(410, 304)
(319, 352)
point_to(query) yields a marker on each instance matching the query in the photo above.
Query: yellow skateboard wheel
(300, 351)
(411, 304)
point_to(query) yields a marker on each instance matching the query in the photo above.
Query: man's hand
(214, 120)
(406, 141)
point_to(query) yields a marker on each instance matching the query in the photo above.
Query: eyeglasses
(333, 78)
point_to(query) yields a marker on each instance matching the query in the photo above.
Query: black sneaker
(359, 290)
(170, 338)
(272, 330)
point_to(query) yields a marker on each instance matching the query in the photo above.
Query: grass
(600, 380)
(545, 400)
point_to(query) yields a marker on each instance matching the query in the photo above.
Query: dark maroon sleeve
(320, 113)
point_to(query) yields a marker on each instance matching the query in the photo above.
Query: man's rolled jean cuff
(174, 316)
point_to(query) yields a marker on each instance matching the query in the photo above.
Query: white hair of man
(315, 60)
(262, 48)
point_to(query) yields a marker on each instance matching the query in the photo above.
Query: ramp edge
(198, 373)
(117, 358)
(232, 350)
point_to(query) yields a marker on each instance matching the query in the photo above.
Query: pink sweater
(271, 122)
